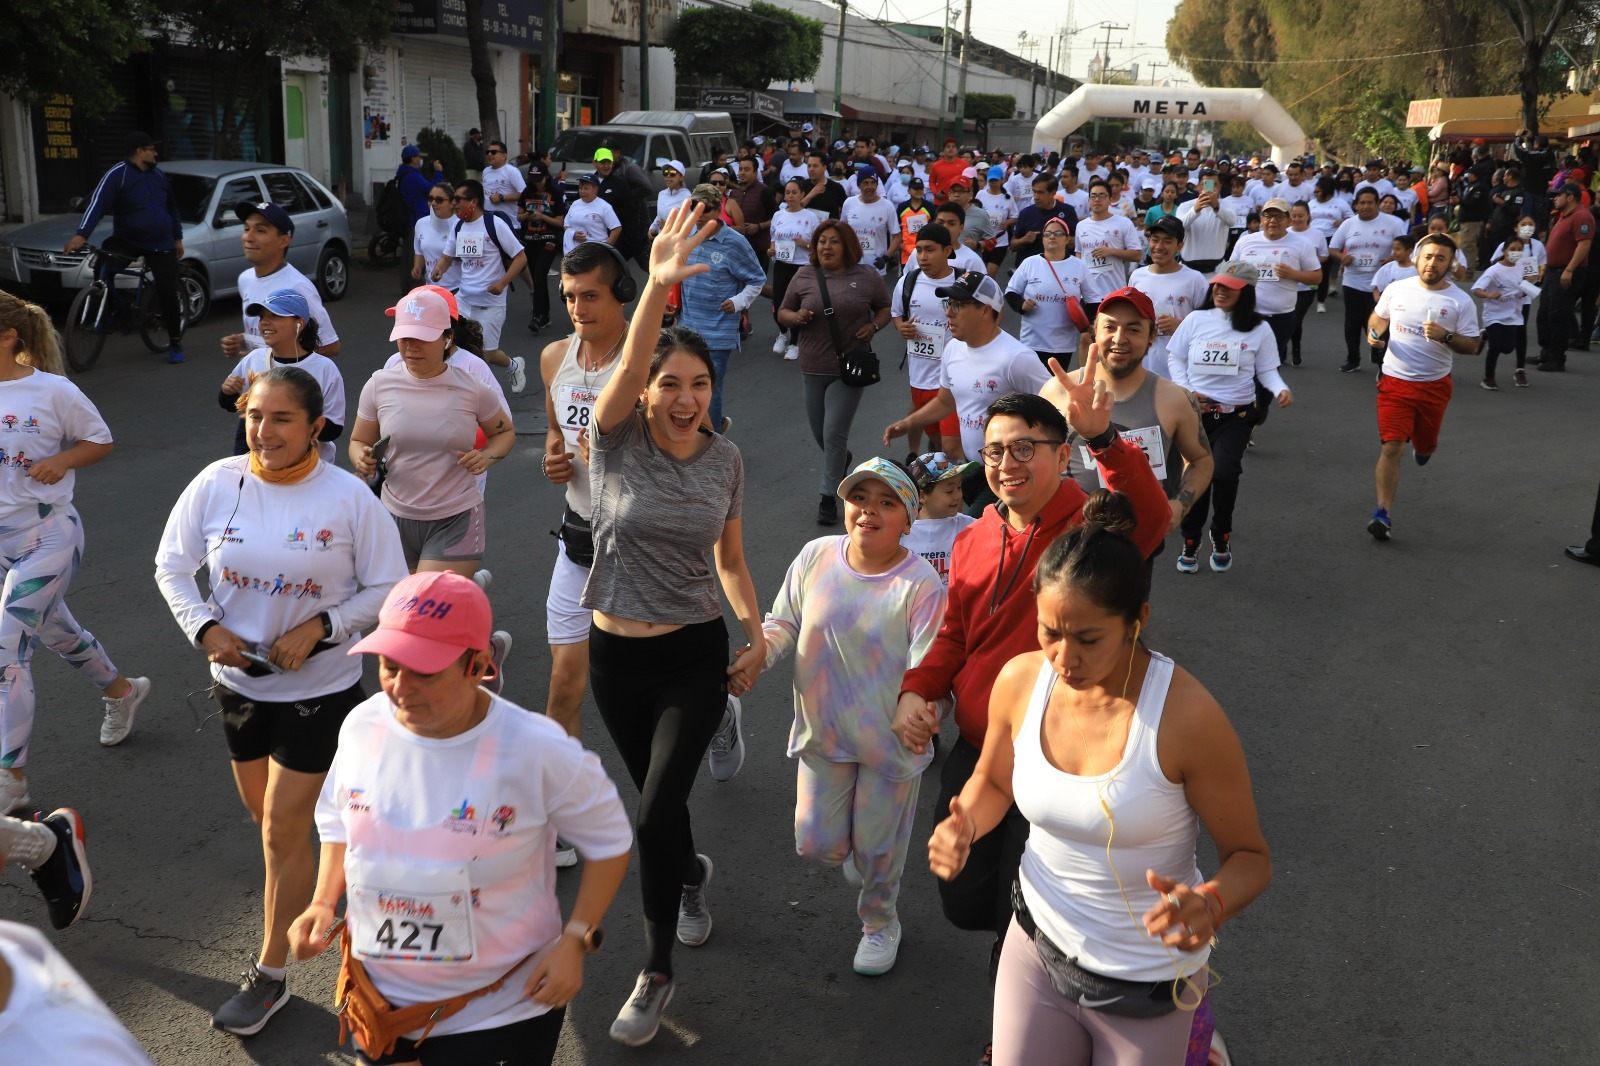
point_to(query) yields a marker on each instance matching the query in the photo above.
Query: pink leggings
(1035, 1026)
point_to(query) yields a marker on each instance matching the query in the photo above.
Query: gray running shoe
(694, 920)
(499, 648)
(258, 999)
(640, 1017)
(119, 712)
(727, 744)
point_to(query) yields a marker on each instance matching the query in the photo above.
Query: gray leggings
(1034, 1024)
(831, 406)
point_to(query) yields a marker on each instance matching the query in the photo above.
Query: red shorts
(1413, 411)
(950, 427)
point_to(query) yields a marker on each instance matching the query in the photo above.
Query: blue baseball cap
(277, 216)
(410, 151)
(997, 173)
(591, 179)
(282, 302)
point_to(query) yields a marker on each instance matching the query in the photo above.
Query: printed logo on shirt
(503, 817)
(20, 459)
(296, 539)
(463, 819)
(357, 803)
(272, 586)
(230, 535)
(940, 561)
(13, 424)
(324, 539)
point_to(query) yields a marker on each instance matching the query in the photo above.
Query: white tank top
(574, 392)
(1070, 891)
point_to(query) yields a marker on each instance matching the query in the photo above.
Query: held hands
(669, 255)
(1088, 401)
(312, 932)
(951, 842)
(291, 650)
(916, 721)
(1181, 918)
(746, 667)
(558, 976)
(49, 470)
(222, 646)
(475, 462)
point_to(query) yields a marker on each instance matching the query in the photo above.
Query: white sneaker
(499, 648)
(640, 1017)
(519, 373)
(1322, 308)
(694, 920)
(483, 579)
(779, 345)
(852, 872)
(118, 722)
(14, 793)
(877, 951)
(791, 353)
(727, 744)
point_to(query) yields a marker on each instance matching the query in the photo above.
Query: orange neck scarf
(289, 475)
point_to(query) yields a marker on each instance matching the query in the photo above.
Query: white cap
(807, 128)
(674, 164)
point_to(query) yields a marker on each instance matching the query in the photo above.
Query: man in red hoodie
(990, 617)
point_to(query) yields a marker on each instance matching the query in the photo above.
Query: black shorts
(531, 1042)
(300, 736)
(996, 256)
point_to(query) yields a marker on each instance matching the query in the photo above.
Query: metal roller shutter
(436, 89)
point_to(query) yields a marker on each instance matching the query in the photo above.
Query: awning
(1465, 117)
(805, 105)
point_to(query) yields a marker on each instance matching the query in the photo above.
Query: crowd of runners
(997, 572)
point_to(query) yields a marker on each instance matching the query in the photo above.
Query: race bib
(469, 247)
(1529, 268)
(783, 251)
(1148, 439)
(403, 913)
(1101, 264)
(1268, 268)
(574, 409)
(915, 223)
(869, 245)
(1217, 357)
(922, 349)
(1366, 262)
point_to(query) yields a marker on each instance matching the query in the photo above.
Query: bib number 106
(408, 936)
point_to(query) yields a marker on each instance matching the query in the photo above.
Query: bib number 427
(408, 936)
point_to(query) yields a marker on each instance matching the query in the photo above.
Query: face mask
(905, 179)
(1524, 232)
(1513, 256)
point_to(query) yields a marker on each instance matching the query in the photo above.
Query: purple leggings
(1034, 1024)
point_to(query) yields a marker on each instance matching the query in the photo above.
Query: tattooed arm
(1193, 444)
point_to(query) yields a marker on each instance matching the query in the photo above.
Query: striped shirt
(734, 269)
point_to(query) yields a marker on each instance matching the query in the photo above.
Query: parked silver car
(32, 262)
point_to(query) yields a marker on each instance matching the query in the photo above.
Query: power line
(1345, 59)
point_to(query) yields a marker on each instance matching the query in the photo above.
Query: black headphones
(624, 288)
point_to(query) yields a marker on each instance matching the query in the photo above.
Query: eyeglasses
(494, 151)
(1021, 450)
(439, 199)
(720, 184)
(459, 199)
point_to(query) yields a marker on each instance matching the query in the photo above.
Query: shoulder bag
(858, 367)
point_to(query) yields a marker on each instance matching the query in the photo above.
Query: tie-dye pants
(843, 807)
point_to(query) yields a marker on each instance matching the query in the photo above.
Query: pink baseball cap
(449, 301)
(428, 620)
(421, 314)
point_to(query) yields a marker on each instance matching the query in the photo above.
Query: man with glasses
(502, 182)
(145, 222)
(980, 363)
(991, 615)
(1107, 242)
(491, 257)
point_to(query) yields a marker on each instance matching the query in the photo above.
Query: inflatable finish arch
(1254, 106)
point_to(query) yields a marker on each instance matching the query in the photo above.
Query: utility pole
(1150, 124)
(944, 69)
(1105, 64)
(1033, 74)
(644, 55)
(838, 74)
(549, 58)
(961, 87)
(1050, 75)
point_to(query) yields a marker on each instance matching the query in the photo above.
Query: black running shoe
(64, 877)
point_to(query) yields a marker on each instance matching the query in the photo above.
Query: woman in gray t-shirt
(666, 493)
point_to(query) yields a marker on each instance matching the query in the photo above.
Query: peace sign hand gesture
(669, 255)
(1089, 401)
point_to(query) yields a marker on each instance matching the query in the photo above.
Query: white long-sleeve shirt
(1205, 233)
(1208, 356)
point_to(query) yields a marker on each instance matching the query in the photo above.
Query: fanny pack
(1126, 999)
(578, 537)
(377, 1026)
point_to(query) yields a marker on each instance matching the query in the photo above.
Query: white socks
(28, 844)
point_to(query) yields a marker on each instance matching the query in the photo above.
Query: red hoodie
(980, 635)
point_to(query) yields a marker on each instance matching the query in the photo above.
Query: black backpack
(907, 283)
(494, 238)
(391, 207)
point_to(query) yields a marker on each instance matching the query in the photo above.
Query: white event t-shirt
(595, 219)
(1275, 294)
(927, 307)
(433, 239)
(1048, 327)
(325, 370)
(791, 235)
(41, 415)
(1370, 242)
(1107, 275)
(52, 1016)
(934, 539)
(481, 262)
(1407, 305)
(255, 290)
(976, 377)
(1208, 356)
(877, 227)
(1175, 294)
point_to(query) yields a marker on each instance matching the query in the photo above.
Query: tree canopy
(981, 107)
(750, 49)
(68, 46)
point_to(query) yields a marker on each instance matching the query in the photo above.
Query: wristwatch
(591, 936)
(327, 625)
(1448, 337)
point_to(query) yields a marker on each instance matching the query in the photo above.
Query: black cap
(915, 183)
(1571, 188)
(936, 233)
(135, 141)
(1167, 224)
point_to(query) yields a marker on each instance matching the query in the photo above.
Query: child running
(289, 329)
(1500, 288)
(857, 610)
(933, 534)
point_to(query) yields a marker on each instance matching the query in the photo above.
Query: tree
(245, 42)
(1535, 42)
(483, 73)
(750, 49)
(69, 47)
(981, 107)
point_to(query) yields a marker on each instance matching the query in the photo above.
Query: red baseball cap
(1139, 300)
(428, 620)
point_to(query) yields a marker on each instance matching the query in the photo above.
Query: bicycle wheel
(151, 329)
(384, 250)
(85, 332)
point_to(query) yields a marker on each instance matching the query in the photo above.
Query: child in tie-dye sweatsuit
(857, 611)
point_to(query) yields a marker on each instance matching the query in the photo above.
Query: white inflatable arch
(1255, 106)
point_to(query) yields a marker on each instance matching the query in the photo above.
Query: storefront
(1495, 118)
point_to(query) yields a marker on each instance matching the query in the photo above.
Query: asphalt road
(1419, 718)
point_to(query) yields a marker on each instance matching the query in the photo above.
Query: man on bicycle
(145, 223)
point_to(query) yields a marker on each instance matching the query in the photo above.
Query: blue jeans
(719, 359)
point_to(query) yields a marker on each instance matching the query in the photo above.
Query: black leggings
(782, 275)
(164, 269)
(1229, 435)
(1302, 304)
(1329, 265)
(661, 699)
(540, 257)
(1358, 305)
(530, 1042)
(1501, 338)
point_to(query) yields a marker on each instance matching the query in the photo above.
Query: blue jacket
(142, 206)
(414, 186)
(734, 267)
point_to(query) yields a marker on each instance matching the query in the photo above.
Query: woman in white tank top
(1116, 757)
